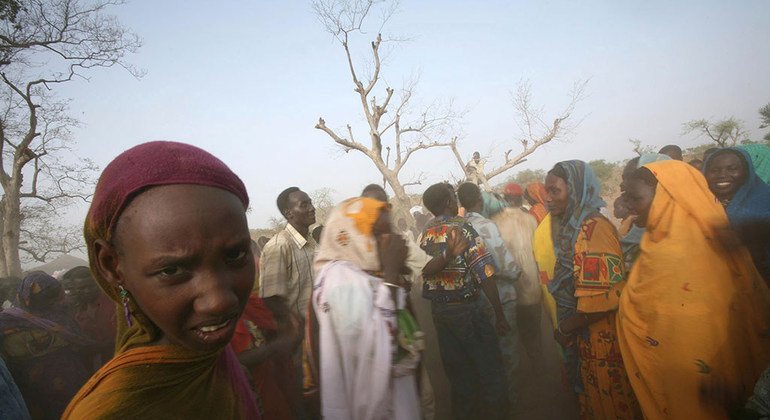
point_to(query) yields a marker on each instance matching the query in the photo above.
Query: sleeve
(504, 261)
(478, 259)
(274, 269)
(599, 268)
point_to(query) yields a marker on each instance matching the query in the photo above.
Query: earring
(124, 301)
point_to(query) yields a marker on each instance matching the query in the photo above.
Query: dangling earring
(124, 300)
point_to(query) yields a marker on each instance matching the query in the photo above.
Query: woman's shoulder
(597, 226)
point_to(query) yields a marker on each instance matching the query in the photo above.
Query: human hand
(456, 243)
(563, 339)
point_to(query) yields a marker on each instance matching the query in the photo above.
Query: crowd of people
(662, 313)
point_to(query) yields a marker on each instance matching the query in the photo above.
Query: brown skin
(725, 174)
(300, 212)
(490, 286)
(558, 194)
(183, 253)
(639, 196)
(557, 200)
(620, 208)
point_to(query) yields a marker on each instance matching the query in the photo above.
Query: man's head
(673, 151)
(297, 207)
(476, 156)
(80, 286)
(696, 163)
(469, 195)
(440, 200)
(376, 192)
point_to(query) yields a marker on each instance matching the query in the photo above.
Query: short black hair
(436, 197)
(670, 149)
(710, 152)
(78, 272)
(469, 194)
(516, 200)
(374, 189)
(283, 199)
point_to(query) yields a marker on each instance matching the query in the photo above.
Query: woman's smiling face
(183, 253)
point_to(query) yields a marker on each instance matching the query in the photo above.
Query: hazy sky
(247, 80)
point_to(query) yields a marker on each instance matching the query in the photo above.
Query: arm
(456, 243)
(489, 286)
(289, 336)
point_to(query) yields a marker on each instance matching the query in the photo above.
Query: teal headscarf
(760, 158)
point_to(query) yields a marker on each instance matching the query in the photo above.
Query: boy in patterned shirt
(467, 340)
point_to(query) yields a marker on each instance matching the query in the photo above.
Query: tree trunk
(3, 265)
(11, 227)
(403, 203)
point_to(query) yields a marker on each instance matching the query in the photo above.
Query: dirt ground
(541, 394)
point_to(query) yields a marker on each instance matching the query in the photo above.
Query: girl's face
(183, 253)
(558, 194)
(725, 174)
(639, 195)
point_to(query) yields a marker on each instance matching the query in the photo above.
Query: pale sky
(248, 80)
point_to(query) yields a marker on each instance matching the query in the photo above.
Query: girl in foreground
(693, 317)
(167, 239)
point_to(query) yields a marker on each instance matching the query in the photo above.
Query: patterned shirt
(460, 279)
(286, 269)
(506, 266)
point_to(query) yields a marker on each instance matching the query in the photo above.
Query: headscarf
(128, 175)
(536, 191)
(692, 312)
(347, 235)
(513, 189)
(760, 158)
(492, 204)
(749, 205)
(145, 380)
(584, 201)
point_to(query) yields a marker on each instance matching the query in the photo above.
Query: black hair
(673, 149)
(436, 196)
(469, 194)
(374, 189)
(559, 171)
(719, 152)
(78, 272)
(516, 200)
(283, 199)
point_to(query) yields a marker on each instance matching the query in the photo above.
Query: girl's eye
(170, 271)
(235, 255)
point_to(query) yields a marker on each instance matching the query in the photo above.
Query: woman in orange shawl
(535, 194)
(694, 315)
(168, 240)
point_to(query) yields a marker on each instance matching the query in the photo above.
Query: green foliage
(725, 133)
(764, 114)
(641, 149)
(527, 176)
(602, 169)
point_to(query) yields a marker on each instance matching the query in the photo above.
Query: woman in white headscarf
(357, 298)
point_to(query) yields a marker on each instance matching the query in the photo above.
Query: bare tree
(395, 129)
(724, 133)
(43, 44)
(535, 131)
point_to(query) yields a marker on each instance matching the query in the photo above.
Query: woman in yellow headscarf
(694, 314)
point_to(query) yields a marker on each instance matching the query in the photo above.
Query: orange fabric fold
(192, 385)
(693, 313)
